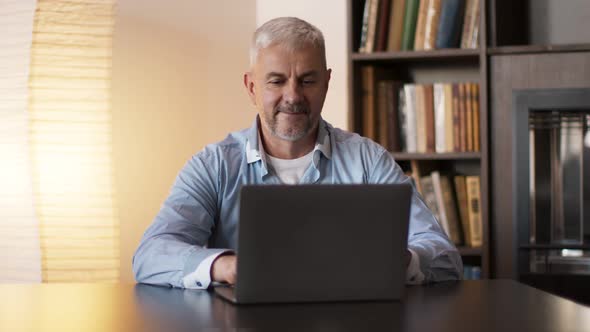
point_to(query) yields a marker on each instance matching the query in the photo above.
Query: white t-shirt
(290, 171)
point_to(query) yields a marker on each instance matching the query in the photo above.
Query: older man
(191, 241)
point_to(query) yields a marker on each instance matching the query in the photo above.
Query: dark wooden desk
(490, 305)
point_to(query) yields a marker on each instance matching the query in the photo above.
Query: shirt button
(199, 284)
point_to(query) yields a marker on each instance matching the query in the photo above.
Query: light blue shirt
(200, 216)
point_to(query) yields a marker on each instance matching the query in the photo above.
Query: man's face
(288, 88)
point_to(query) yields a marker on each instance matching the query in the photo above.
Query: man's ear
(329, 74)
(249, 84)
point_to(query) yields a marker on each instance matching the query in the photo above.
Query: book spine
(468, 118)
(442, 216)
(462, 118)
(396, 25)
(372, 28)
(364, 27)
(393, 135)
(411, 120)
(474, 203)
(448, 110)
(403, 122)
(368, 80)
(466, 33)
(382, 95)
(462, 202)
(421, 25)
(475, 18)
(439, 117)
(456, 119)
(431, 24)
(429, 118)
(382, 25)
(420, 119)
(449, 27)
(475, 108)
(410, 20)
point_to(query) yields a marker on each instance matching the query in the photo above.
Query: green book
(409, 30)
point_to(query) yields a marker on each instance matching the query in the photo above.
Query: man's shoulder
(353, 142)
(231, 146)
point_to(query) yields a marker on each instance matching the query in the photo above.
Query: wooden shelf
(554, 246)
(532, 49)
(417, 55)
(470, 251)
(437, 156)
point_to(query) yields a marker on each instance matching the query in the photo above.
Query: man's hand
(408, 257)
(224, 269)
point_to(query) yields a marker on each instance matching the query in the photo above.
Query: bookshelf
(533, 45)
(449, 65)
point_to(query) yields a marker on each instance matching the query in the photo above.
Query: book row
(405, 25)
(421, 118)
(455, 202)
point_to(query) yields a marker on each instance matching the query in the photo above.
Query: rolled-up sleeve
(174, 244)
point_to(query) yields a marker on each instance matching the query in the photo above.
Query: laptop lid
(309, 243)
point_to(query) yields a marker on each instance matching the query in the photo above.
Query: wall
(177, 85)
(330, 17)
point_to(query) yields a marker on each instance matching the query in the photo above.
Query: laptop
(321, 243)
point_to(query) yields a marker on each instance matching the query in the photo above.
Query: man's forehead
(307, 57)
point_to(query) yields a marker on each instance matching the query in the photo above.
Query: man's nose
(293, 93)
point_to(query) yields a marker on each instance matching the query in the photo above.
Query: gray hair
(291, 32)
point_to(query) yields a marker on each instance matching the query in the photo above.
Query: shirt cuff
(414, 275)
(201, 277)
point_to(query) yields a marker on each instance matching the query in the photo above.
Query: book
(382, 25)
(368, 84)
(462, 119)
(449, 134)
(403, 123)
(364, 27)
(439, 117)
(410, 116)
(430, 198)
(475, 110)
(456, 119)
(467, 27)
(393, 125)
(450, 24)
(447, 206)
(468, 118)
(474, 36)
(431, 24)
(421, 25)
(396, 25)
(429, 117)
(420, 113)
(461, 192)
(372, 26)
(382, 116)
(474, 209)
(409, 26)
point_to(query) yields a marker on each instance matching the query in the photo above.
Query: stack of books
(455, 202)
(421, 118)
(406, 25)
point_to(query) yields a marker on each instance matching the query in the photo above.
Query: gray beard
(290, 135)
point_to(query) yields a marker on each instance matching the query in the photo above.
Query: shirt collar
(255, 151)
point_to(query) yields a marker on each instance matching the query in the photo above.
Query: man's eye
(275, 82)
(308, 82)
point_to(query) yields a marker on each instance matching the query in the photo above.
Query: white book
(439, 118)
(411, 134)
